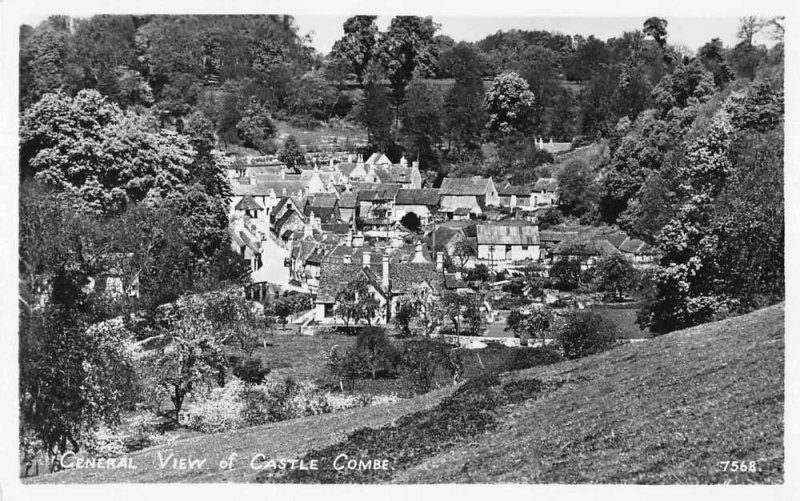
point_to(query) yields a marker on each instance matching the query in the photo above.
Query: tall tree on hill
(357, 47)
(539, 67)
(43, 57)
(712, 55)
(465, 115)
(291, 154)
(406, 50)
(578, 190)
(656, 27)
(375, 113)
(509, 103)
(422, 123)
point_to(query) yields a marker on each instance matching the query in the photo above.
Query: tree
(577, 187)
(464, 250)
(379, 352)
(656, 27)
(411, 221)
(583, 333)
(408, 49)
(419, 313)
(712, 55)
(87, 146)
(43, 60)
(567, 273)
(357, 47)
(192, 359)
(255, 128)
(375, 114)
(463, 308)
(422, 122)
(465, 115)
(686, 83)
(509, 103)
(615, 274)
(355, 302)
(291, 154)
(535, 325)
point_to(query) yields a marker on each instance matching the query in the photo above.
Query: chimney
(347, 259)
(350, 158)
(403, 161)
(284, 192)
(415, 164)
(358, 240)
(418, 257)
(366, 257)
(385, 276)
(283, 172)
(439, 261)
(308, 229)
(331, 163)
(350, 238)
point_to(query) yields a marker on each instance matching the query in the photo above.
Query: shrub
(382, 357)
(583, 333)
(248, 370)
(423, 357)
(348, 366)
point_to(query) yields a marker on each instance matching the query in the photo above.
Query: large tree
(356, 48)
(422, 123)
(87, 146)
(465, 115)
(509, 103)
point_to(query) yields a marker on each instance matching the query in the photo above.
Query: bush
(423, 357)
(583, 333)
(248, 370)
(550, 218)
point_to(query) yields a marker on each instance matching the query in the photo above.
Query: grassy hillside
(664, 411)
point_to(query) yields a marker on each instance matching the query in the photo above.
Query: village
(315, 229)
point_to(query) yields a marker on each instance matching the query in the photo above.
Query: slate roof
(555, 236)
(475, 185)
(338, 228)
(402, 276)
(616, 238)
(636, 247)
(508, 189)
(381, 192)
(348, 200)
(583, 246)
(347, 168)
(248, 203)
(263, 188)
(427, 197)
(508, 234)
(393, 173)
(549, 184)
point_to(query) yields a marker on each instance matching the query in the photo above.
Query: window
(524, 247)
(328, 310)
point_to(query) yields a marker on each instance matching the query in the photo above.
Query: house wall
(543, 198)
(500, 254)
(346, 215)
(470, 202)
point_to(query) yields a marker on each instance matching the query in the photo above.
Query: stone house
(422, 202)
(505, 245)
(471, 193)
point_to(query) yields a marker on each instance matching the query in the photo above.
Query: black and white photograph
(287, 246)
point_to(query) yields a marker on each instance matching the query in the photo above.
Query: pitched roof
(328, 200)
(549, 184)
(264, 188)
(379, 192)
(378, 158)
(475, 185)
(347, 168)
(451, 281)
(508, 234)
(417, 197)
(616, 238)
(393, 173)
(584, 246)
(248, 203)
(508, 189)
(348, 200)
(555, 236)
(636, 247)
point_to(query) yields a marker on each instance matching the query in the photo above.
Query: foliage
(72, 378)
(87, 146)
(255, 128)
(379, 353)
(422, 125)
(463, 309)
(421, 359)
(480, 273)
(411, 221)
(355, 302)
(419, 313)
(509, 103)
(550, 218)
(375, 114)
(357, 47)
(615, 274)
(578, 191)
(583, 333)
(566, 273)
(193, 358)
(291, 154)
(534, 325)
(407, 49)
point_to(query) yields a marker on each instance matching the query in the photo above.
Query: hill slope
(667, 411)
(663, 411)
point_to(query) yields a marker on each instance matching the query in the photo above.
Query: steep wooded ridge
(668, 410)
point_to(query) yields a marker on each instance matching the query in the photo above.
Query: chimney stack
(385, 276)
(366, 258)
(283, 172)
(418, 257)
(439, 261)
(350, 238)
